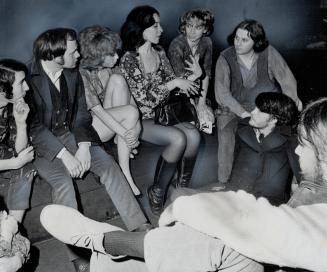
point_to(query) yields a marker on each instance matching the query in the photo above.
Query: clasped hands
(80, 163)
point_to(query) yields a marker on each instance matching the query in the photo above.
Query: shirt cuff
(61, 152)
(88, 143)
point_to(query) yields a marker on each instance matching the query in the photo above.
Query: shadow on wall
(22, 21)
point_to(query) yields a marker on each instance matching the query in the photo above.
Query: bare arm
(205, 85)
(108, 120)
(20, 111)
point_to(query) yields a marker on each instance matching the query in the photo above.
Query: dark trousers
(104, 166)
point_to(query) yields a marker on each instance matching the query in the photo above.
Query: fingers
(76, 171)
(190, 64)
(193, 88)
(21, 107)
(29, 149)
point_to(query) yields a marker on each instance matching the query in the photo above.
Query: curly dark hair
(201, 14)
(256, 32)
(139, 19)
(279, 105)
(8, 67)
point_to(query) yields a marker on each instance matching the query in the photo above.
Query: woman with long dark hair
(151, 78)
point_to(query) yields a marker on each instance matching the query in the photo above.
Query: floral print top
(148, 89)
(19, 244)
(7, 132)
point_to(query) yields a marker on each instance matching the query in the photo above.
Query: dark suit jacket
(79, 119)
(264, 169)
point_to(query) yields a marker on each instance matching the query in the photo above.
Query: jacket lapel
(273, 140)
(70, 77)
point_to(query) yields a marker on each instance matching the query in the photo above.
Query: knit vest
(246, 96)
(60, 102)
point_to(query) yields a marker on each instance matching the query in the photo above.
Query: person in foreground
(14, 248)
(237, 235)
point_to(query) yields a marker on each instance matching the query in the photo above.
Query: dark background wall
(290, 24)
(22, 20)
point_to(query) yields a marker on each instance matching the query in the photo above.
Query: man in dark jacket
(264, 155)
(62, 132)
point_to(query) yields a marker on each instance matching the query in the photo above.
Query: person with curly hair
(190, 53)
(16, 154)
(107, 94)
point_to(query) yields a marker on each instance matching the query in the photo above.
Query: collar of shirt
(258, 135)
(54, 77)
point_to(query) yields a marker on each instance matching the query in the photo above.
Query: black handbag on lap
(177, 108)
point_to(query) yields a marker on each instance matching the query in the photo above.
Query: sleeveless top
(246, 96)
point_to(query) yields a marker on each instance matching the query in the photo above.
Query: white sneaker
(71, 227)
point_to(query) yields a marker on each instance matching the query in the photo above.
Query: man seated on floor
(213, 231)
(65, 142)
(264, 156)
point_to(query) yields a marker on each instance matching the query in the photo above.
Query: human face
(194, 30)
(307, 159)
(20, 88)
(260, 119)
(71, 54)
(152, 34)
(243, 42)
(109, 61)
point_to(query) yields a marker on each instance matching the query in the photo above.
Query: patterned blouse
(7, 132)
(148, 89)
(19, 244)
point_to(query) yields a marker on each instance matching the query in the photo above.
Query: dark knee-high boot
(185, 169)
(157, 191)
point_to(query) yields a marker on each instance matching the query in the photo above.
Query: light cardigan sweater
(285, 236)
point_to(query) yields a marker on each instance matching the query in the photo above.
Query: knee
(193, 137)
(119, 83)
(64, 192)
(179, 141)
(132, 112)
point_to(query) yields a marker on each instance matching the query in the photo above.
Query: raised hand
(20, 111)
(194, 66)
